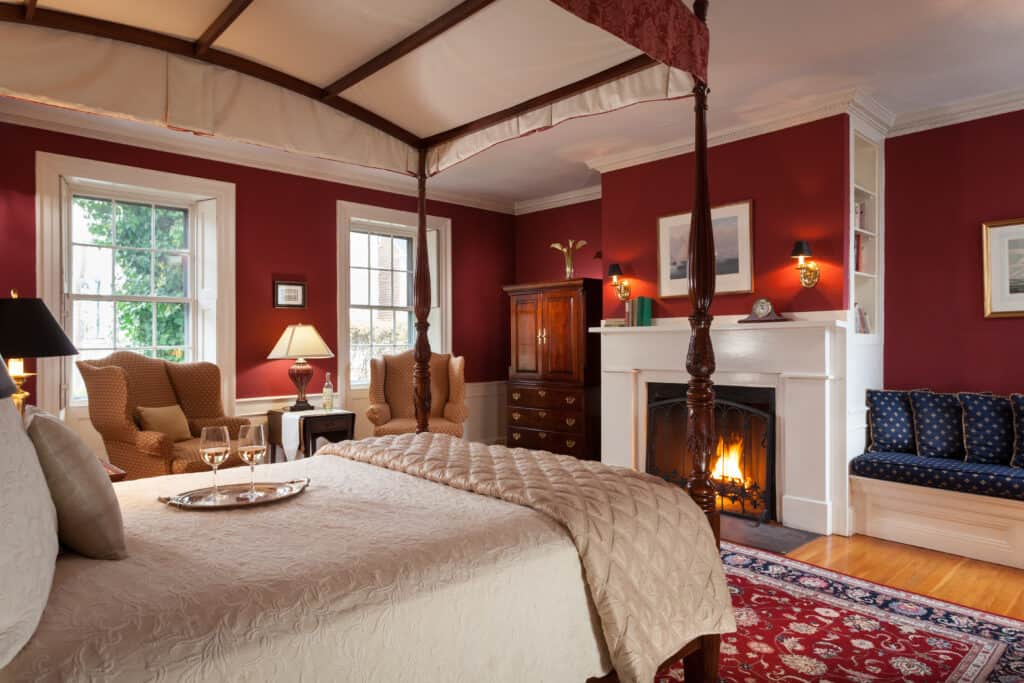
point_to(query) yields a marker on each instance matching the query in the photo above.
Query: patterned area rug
(800, 623)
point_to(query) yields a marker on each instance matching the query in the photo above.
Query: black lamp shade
(29, 330)
(801, 248)
(614, 269)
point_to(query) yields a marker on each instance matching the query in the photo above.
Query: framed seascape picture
(289, 294)
(733, 254)
(1004, 268)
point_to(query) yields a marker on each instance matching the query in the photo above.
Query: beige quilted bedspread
(648, 554)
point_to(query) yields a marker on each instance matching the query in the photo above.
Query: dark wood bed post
(421, 284)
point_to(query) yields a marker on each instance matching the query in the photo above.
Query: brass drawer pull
(515, 395)
(569, 443)
(516, 436)
(543, 414)
(570, 399)
(570, 421)
(542, 435)
(516, 416)
(542, 393)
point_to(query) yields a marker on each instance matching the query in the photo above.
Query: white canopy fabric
(505, 53)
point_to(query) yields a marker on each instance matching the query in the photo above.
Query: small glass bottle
(328, 393)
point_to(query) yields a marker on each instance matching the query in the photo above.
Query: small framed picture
(733, 255)
(1004, 268)
(289, 294)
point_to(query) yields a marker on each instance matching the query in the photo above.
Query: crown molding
(556, 200)
(148, 136)
(959, 112)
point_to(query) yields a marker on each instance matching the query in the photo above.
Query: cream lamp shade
(300, 341)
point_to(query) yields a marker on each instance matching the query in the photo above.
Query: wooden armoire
(554, 393)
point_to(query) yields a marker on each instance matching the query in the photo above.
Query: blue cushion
(891, 421)
(1017, 401)
(1000, 481)
(988, 428)
(938, 425)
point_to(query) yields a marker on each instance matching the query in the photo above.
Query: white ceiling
(910, 55)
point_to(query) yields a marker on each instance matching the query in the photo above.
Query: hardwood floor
(973, 583)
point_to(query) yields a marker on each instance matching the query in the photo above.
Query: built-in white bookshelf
(865, 239)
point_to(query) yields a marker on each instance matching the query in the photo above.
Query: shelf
(862, 274)
(865, 190)
(868, 233)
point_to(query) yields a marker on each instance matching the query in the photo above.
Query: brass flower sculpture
(567, 252)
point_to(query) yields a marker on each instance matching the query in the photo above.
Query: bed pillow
(938, 425)
(169, 420)
(988, 428)
(1017, 403)
(88, 514)
(28, 535)
(891, 420)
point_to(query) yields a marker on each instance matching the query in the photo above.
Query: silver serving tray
(226, 497)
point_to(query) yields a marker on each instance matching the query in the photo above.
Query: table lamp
(29, 330)
(300, 342)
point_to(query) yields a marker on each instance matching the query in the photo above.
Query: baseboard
(806, 514)
(966, 524)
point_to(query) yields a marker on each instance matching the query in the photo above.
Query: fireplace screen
(743, 461)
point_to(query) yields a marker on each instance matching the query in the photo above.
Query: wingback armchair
(392, 409)
(123, 381)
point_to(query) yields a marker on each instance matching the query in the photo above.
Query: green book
(644, 311)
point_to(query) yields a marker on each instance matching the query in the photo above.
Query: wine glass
(214, 447)
(252, 446)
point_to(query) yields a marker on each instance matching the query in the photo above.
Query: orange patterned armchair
(392, 410)
(123, 381)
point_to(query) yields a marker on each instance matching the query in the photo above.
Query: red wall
(285, 225)
(941, 185)
(536, 261)
(795, 178)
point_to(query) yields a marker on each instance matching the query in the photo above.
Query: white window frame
(350, 215)
(213, 271)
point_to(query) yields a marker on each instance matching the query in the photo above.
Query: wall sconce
(809, 272)
(620, 286)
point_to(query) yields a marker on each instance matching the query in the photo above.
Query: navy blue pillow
(988, 428)
(892, 422)
(1017, 401)
(938, 425)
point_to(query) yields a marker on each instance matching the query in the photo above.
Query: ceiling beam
(403, 47)
(219, 25)
(618, 71)
(129, 34)
(30, 9)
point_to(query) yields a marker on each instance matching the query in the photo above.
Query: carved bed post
(421, 284)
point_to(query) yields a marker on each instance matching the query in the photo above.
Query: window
(381, 317)
(130, 278)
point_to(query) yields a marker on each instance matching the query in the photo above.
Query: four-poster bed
(663, 32)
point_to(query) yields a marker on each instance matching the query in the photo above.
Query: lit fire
(727, 463)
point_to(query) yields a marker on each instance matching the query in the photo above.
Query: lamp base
(300, 374)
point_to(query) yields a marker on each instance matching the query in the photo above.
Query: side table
(333, 425)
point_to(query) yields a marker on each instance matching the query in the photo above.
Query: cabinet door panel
(526, 348)
(561, 346)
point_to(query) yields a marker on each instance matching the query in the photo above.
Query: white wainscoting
(982, 527)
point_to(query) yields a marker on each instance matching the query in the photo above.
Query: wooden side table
(337, 425)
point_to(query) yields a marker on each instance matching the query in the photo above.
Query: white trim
(556, 200)
(51, 170)
(959, 111)
(346, 212)
(153, 137)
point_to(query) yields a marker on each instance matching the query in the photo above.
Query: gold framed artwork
(1003, 253)
(734, 256)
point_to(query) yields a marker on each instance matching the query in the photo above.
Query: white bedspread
(371, 575)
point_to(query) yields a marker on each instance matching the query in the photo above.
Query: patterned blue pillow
(891, 420)
(1017, 401)
(988, 428)
(938, 425)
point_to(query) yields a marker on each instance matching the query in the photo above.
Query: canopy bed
(549, 61)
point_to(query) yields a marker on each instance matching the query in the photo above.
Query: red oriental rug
(798, 623)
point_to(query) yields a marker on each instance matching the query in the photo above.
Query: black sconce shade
(801, 248)
(614, 269)
(28, 330)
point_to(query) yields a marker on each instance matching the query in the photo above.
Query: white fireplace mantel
(805, 361)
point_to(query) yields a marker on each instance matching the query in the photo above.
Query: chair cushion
(938, 425)
(436, 425)
(988, 428)
(1017, 402)
(28, 536)
(1000, 481)
(891, 421)
(169, 420)
(88, 514)
(148, 383)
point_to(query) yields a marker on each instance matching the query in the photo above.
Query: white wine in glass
(252, 446)
(214, 447)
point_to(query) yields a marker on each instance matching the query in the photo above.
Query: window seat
(1000, 481)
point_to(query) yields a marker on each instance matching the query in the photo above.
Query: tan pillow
(88, 515)
(169, 420)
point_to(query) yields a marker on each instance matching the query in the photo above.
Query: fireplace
(743, 461)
